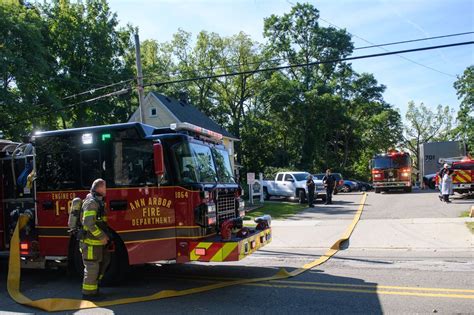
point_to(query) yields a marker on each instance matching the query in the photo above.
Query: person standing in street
(95, 255)
(441, 173)
(311, 187)
(447, 188)
(329, 183)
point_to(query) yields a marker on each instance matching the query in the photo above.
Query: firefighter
(311, 186)
(93, 245)
(329, 182)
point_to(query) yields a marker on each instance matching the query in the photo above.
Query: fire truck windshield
(197, 163)
(395, 161)
(224, 168)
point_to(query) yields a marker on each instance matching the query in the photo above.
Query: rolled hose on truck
(61, 304)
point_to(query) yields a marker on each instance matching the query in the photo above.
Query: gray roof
(186, 112)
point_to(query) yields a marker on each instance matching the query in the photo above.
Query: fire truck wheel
(118, 266)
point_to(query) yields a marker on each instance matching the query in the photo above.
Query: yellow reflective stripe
(92, 242)
(85, 228)
(89, 213)
(90, 252)
(96, 232)
(225, 251)
(90, 287)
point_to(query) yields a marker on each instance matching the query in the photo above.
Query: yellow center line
(311, 284)
(375, 291)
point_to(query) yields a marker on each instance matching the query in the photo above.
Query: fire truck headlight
(211, 208)
(405, 174)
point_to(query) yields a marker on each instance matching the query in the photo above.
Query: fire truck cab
(391, 170)
(171, 195)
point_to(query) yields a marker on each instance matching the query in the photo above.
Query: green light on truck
(106, 136)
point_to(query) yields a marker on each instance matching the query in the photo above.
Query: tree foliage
(306, 118)
(53, 52)
(424, 125)
(465, 90)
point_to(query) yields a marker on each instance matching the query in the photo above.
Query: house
(161, 111)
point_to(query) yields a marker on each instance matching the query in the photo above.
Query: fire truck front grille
(391, 174)
(225, 207)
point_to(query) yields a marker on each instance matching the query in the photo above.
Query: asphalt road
(409, 253)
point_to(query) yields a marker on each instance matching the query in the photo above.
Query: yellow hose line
(60, 304)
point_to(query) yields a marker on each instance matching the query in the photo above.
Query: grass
(278, 210)
(470, 225)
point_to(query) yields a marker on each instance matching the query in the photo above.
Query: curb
(471, 215)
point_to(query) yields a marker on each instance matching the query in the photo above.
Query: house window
(153, 112)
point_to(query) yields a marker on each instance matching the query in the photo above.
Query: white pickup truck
(292, 185)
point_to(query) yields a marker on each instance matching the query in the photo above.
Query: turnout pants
(96, 259)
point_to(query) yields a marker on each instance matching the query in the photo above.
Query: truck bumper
(463, 187)
(391, 184)
(214, 249)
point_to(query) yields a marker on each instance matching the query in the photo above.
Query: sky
(376, 21)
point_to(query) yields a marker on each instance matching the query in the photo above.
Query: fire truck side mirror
(158, 159)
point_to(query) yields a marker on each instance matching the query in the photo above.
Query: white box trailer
(432, 152)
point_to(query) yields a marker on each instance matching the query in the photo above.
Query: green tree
(425, 125)
(25, 68)
(465, 118)
(88, 48)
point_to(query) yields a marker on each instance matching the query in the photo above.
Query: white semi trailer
(432, 152)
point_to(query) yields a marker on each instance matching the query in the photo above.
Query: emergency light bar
(199, 130)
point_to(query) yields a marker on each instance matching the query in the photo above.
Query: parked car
(337, 177)
(349, 185)
(292, 185)
(430, 181)
(364, 186)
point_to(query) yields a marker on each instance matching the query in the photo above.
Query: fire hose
(63, 304)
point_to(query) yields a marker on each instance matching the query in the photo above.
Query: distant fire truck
(171, 195)
(463, 173)
(391, 170)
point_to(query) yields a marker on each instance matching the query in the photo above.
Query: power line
(357, 48)
(91, 91)
(215, 76)
(125, 90)
(96, 89)
(414, 40)
(384, 49)
(115, 93)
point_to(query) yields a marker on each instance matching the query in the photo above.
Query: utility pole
(141, 100)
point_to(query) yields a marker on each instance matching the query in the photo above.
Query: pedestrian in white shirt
(447, 188)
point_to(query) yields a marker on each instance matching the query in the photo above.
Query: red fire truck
(171, 195)
(391, 170)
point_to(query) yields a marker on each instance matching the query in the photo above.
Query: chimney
(183, 97)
